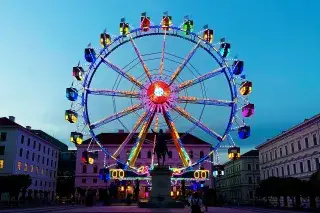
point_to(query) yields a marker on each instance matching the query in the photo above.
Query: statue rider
(161, 148)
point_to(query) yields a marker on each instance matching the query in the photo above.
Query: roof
(286, 133)
(5, 122)
(118, 138)
(63, 147)
(251, 153)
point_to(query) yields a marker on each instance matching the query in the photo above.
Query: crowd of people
(198, 202)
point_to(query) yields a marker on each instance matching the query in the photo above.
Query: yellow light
(91, 160)
(171, 193)
(19, 165)
(178, 193)
(1, 164)
(79, 140)
(122, 188)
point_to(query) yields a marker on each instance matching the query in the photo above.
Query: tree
(293, 188)
(313, 188)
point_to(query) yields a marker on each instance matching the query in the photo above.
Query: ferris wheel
(159, 95)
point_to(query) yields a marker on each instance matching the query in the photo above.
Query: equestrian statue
(161, 148)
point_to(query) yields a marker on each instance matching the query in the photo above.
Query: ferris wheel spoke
(201, 78)
(196, 122)
(186, 161)
(140, 58)
(123, 73)
(115, 116)
(139, 141)
(141, 119)
(184, 63)
(128, 94)
(205, 101)
(162, 53)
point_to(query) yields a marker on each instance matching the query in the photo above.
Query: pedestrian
(206, 199)
(196, 203)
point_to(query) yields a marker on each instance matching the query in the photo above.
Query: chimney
(12, 118)
(121, 131)
(28, 127)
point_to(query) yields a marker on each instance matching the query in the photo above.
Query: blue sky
(278, 40)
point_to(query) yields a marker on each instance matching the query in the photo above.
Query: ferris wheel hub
(159, 92)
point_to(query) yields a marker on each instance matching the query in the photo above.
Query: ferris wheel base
(160, 192)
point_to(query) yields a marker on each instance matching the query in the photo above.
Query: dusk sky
(40, 42)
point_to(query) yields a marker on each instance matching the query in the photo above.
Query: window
(33, 156)
(50, 173)
(170, 154)
(266, 157)
(49, 184)
(47, 161)
(301, 167)
(94, 180)
(42, 160)
(264, 175)
(31, 168)
(54, 174)
(52, 153)
(201, 154)
(277, 172)
(48, 151)
(3, 136)
(250, 180)
(55, 164)
(275, 154)
(95, 169)
(40, 183)
(270, 155)
(44, 149)
(294, 169)
(309, 165)
(27, 155)
(84, 169)
(22, 139)
(282, 172)
(149, 154)
(299, 145)
(286, 149)
(317, 164)
(34, 144)
(306, 141)
(38, 158)
(1, 164)
(288, 170)
(272, 173)
(84, 180)
(21, 151)
(28, 143)
(37, 169)
(19, 165)
(249, 166)
(39, 147)
(280, 152)
(315, 142)
(25, 167)
(191, 154)
(36, 183)
(2, 148)
(292, 148)
(51, 163)
(257, 166)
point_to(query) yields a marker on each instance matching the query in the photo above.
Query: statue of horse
(161, 148)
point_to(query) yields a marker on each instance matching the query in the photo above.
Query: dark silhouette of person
(161, 148)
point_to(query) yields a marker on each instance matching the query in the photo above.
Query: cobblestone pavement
(135, 209)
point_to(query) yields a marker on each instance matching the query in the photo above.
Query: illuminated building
(87, 175)
(22, 151)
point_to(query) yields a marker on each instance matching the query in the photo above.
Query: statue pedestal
(161, 188)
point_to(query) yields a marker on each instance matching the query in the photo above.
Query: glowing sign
(143, 170)
(116, 173)
(176, 171)
(201, 174)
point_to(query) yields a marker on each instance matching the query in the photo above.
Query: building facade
(87, 175)
(24, 152)
(240, 179)
(293, 153)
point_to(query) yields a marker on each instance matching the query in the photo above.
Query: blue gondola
(90, 55)
(72, 94)
(225, 49)
(244, 132)
(237, 67)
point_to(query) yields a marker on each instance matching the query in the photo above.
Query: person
(195, 203)
(206, 199)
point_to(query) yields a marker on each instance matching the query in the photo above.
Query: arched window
(191, 154)
(95, 169)
(84, 169)
(149, 154)
(201, 154)
(170, 154)
(21, 150)
(27, 156)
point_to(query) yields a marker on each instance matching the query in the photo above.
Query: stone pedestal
(161, 188)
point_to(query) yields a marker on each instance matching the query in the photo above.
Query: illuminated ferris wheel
(160, 92)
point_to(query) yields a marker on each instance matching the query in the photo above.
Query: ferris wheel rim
(94, 66)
